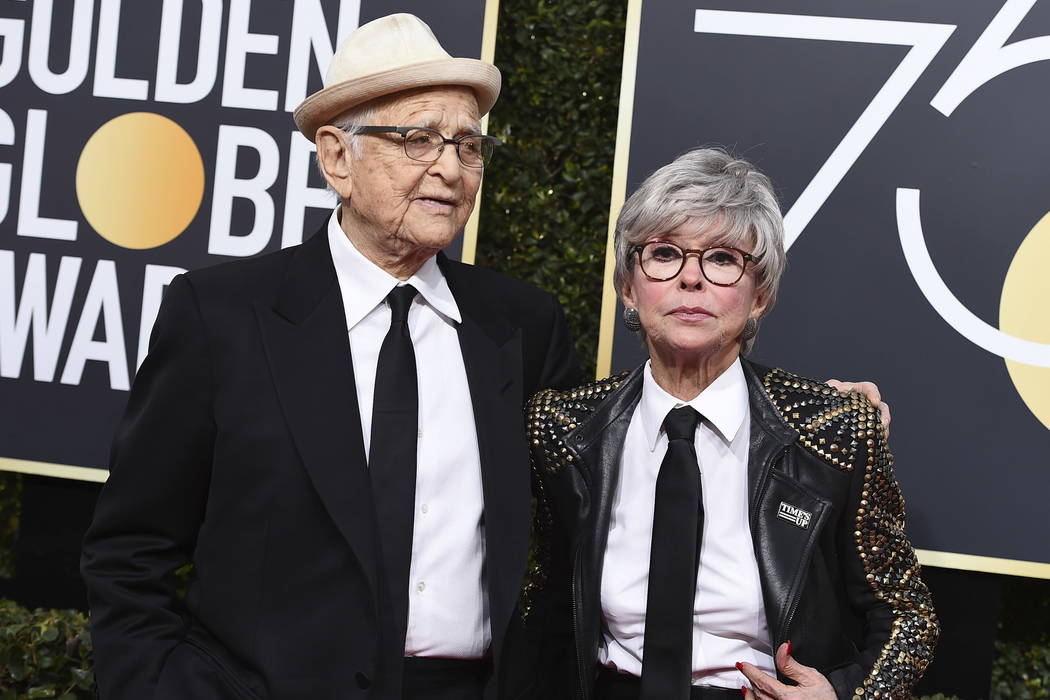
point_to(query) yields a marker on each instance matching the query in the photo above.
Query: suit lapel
(492, 350)
(308, 349)
(786, 518)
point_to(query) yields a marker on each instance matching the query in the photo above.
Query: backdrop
(138, 140)
(909, 143)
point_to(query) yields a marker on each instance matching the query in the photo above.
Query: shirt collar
(364, 285)
(723, 404)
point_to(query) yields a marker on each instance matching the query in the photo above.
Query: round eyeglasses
(427, 145)
(721, 265)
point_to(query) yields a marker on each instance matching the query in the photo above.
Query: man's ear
(333, 154)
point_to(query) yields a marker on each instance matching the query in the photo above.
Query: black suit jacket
(241, 451)
(839, 577)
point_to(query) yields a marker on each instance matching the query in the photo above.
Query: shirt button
(421, 586)
(425, 508)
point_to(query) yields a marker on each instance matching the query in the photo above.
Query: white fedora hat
(393, 53)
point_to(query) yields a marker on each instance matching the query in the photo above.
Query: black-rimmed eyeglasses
(721, 265)
(427, 145)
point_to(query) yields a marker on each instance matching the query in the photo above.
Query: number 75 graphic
(989, 57)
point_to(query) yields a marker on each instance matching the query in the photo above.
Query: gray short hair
(358, 116)
(715, 189)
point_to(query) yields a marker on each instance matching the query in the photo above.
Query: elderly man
(333, 433)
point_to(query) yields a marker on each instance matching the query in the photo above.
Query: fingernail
(789, 647)
(743, 690)
(739, 666)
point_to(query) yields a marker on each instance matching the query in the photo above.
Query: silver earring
(750, 330)
(631, 320)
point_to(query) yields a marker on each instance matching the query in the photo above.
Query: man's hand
(812, 685)
(871, 393)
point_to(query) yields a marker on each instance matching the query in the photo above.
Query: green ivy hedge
(1022, 665)
(44, 654)
(545, 203)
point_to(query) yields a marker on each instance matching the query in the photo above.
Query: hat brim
(325, 105)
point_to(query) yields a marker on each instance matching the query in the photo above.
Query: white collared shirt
(448, 601)
(729, 620)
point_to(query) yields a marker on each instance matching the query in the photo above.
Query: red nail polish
(739, 666)
(789, 647)
(743, 690)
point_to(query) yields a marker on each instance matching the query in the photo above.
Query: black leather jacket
(839, 578)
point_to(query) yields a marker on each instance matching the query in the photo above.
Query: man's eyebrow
(434, 123)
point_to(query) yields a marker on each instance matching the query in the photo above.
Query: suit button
(363, 681)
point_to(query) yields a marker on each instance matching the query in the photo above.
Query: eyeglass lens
(662, 261)
(427, 145)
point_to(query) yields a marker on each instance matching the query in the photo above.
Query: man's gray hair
(350, 121)
(711, 188)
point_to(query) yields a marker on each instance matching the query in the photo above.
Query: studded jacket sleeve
(546, 601)
(882, 578)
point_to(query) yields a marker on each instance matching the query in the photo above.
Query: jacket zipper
(782, 636)
(787, 625)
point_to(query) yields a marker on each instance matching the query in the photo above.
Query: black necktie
(392, 452)
(667, 656)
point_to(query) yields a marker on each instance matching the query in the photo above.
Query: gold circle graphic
(140, 180)
(1022, 313)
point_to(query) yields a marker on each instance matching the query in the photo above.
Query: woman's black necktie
(677, 526)
(392, 451)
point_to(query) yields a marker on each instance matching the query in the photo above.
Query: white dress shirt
(729, 620)
(448, 602)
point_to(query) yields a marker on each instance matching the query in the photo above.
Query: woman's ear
(759, 305)
(627, 295)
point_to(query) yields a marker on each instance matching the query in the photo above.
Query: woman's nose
(691, 275)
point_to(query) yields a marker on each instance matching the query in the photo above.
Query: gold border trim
(619, 183)
(991, 565)
(488, 54)
(61, 471)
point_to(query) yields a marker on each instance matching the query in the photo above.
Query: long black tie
(392, 452)
(677, 526)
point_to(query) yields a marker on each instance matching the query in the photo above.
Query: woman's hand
(871, 393)
(812, 685)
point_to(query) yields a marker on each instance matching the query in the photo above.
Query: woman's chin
(695, 347)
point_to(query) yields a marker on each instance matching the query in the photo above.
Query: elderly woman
(709, 525)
